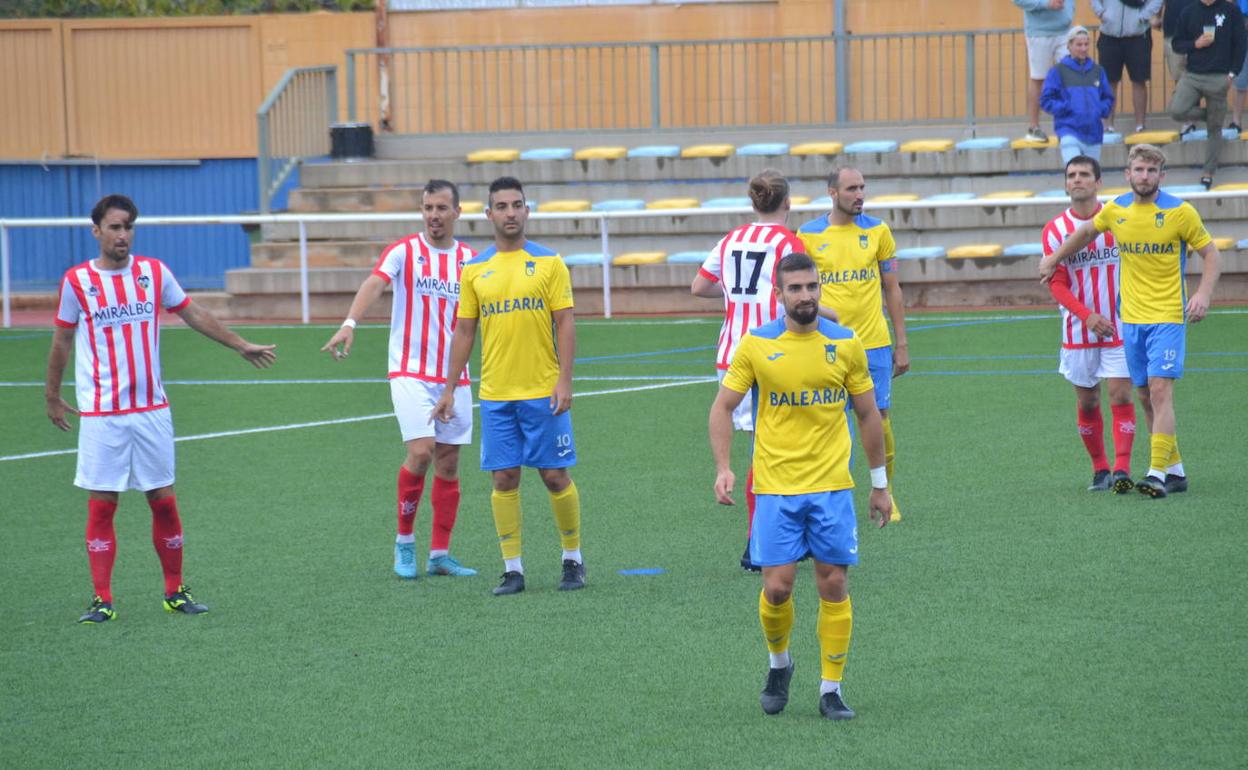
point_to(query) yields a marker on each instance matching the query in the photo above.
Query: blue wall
(198, 254)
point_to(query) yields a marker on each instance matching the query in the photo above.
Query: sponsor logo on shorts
(565, 452)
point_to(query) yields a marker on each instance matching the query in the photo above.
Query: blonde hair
(768, 190)
(1146, 152)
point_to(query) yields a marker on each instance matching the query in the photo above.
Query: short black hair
(796, 262)
(505, 183)
(433, 185)
(1084, 160)
(834, 179)
(113, 201)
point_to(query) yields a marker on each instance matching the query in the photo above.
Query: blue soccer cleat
(405, 560)
(448, 565)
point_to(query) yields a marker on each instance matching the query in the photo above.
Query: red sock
(167, 537)
(1092, 431)
(445, 499)
(410, 488)
(101, 546)
(1124, 435)
(749, 500)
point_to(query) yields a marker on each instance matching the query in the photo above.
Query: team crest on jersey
(829, 352)
(144, 282)
(1159, 220)
(530, 267)
(862, 241)
(420, 260)
(93, 291)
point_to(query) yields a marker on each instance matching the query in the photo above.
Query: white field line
(369, 380)
(364, 418)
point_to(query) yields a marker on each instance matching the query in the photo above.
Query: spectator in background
(1126, 40)
(1241, 83)
(1176, 63)
(1077, 94)
(1211, 34)
(1045, 24)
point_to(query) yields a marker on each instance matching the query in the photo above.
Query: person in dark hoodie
(1078, 96)
(1211, 34)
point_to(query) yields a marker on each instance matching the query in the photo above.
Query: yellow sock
(836, 622)
(890, 451)
(1175, 459)
(777, 620)
(567, 508)
(1163, 447)
(507, 520)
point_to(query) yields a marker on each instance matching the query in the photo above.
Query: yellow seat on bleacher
(817, 148)
(927, 145)
(894, 198)
(641, 258)
(559, 206)
(471, 207)
(799, 200)
(674, 203)
(1151, 137)
(1032, 144)
(1224, 244)
(1008, 194)
(493, 156)
(1231, 187)
(707, 151)
(1114, 192)
(975, 251)
(600, 153)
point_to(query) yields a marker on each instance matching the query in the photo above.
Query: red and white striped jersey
(425, 281)
(117, 342)
(1087, 282)
(744, 263)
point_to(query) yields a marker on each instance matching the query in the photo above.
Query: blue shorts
(515, 433)
(880, 363)
(788, 527)
(1154, 350)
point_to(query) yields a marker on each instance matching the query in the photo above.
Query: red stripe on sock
(167, 538)
(445, 499)
(410, 488)
(101, 546)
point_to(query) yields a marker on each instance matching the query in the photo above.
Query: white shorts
(413, 405)
(1086, 367)
(1043, 53)
(743, 415)
(125, 451)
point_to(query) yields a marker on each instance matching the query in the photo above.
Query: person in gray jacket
(1126, 40)
(1045, 24)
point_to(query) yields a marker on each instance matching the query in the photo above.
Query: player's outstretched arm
(339, 345)
(720, 429)
(872, 429)
(58, 358)
(896, 304)
(1078, 239)
(207, 324)
(461, 347)
(565, 339)
(1198, 305)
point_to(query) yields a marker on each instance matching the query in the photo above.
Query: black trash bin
(350, 140)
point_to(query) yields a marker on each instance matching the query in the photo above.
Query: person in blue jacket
(1077, 94)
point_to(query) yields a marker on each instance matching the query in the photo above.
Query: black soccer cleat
(746, 563)
(1152, 487)
(100, 611)
(1174, 483)
(832, 707)
(1100, 481)
(573, 576)
(512, 583)
(775, 695)
(182, 601)
(1122, 483)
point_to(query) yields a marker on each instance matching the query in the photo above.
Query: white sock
(405, 538)
(573, 555)
(1159, 475)
(827, 685)
(433, 554)
(1176, 469)
(780, 659)
(513, 565)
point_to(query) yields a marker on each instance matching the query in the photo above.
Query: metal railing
(970, 77)
(293, 123)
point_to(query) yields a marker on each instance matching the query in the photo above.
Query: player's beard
(1143, 190)
(804, 313)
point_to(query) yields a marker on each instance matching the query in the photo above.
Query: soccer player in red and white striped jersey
(742, 269)
(110, 314)
(1086, 288)
(424, 271)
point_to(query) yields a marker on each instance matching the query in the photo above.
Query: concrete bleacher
(905, 166)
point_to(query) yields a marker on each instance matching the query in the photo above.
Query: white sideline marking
(365, 418)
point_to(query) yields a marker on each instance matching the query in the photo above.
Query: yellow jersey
(1152, 241)
(800, 384)
(852, 260)
(513, 293)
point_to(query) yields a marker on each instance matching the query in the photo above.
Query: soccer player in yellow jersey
(854, 254)
(801, 369)
(520, 294)
(1153, 231)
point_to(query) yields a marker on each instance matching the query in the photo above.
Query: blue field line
(11, 337)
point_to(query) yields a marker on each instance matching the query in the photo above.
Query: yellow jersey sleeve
(1105, 216)
(858, 377)
(887, 247)
(740, 375)
(469, 307)
(1192, 228)
(559, 289)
